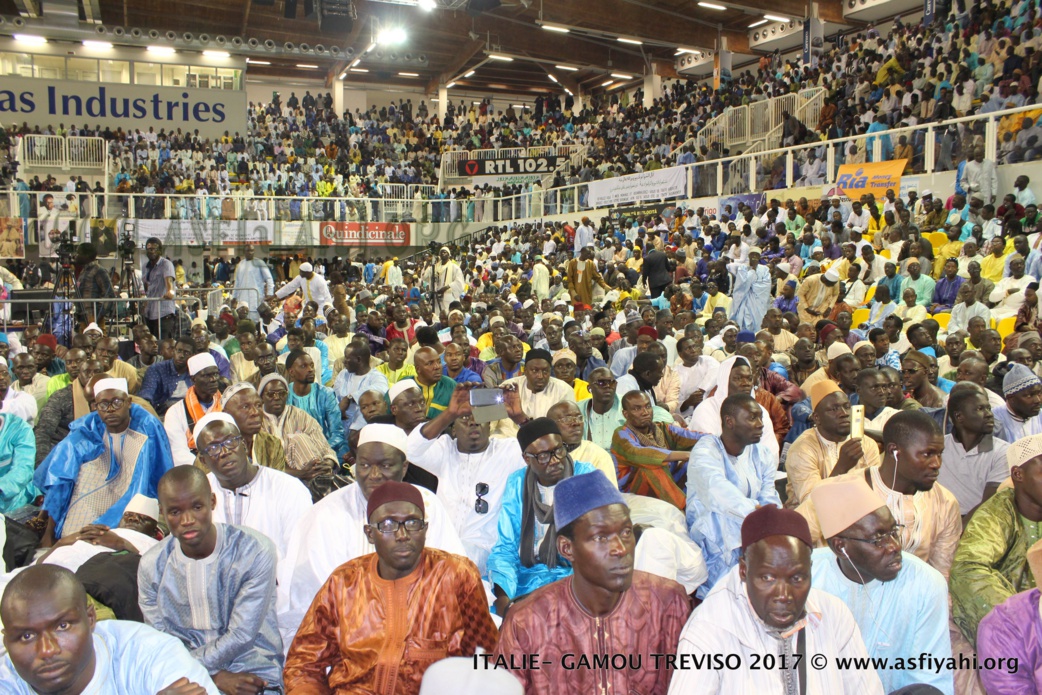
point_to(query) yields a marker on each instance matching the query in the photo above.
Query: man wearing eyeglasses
(203, 397)
(827, 449)
(472, 470)
(381, 620)
(112, 454)
(212, 586)
(248, 493)
(333, 531)
(899, 602)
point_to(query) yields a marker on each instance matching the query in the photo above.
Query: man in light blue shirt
(46, 604)
(900, 603)
(253, 281)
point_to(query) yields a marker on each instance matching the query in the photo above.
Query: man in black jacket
(657, 272)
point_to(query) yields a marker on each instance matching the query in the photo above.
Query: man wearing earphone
(899, 602)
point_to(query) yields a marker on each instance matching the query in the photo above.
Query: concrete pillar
(338, 96)
(579, 103)
(443, 102)
(652, 89)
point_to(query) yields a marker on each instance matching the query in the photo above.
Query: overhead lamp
(217, 54)
(307, 66)
(30, 39)
(161, 50)
(391, 37)
(343, 74)
(359, 70)
(450, 85)
(468, 74)
(427, 5)
(760, 23)
(775, 18)
(569, 68)
(609, 82)
(371, 47)
(635, 42)
(569, 92)
(409, 74)
(97, 45)
(711, 6)
(496, 56)
(621, 76)
(254, 61)
(553, 79)
(552, 27)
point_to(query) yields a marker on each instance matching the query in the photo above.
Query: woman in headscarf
(736, 376)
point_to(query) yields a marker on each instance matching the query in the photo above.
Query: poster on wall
(753, 200)
(55, 217)
(296, 234)
(857, 179)
(623, 216)
(104, 237)
(363, 234)
(12, 237)
(243, 232)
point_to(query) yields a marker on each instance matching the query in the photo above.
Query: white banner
(129, 106)
(199, 232)
(651, 185)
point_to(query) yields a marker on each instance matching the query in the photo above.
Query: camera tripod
(63, 314)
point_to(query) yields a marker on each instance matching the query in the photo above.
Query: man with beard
(202, 398)
(602, 411)
(308, 454)
(766, 606)
(906, 481)
(49, 604)
(446, 281)
(381, 620)
(651, 456)
(266, 359)
(597, 609)
(253, 281)
(531, 395)
(333, 530)
(256, 496)
(109, 456)
(899, 602)
(472, 470)
(570, 421)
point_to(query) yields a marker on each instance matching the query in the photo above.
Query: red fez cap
(47, 339)
(825, 332)
(393, 491)
(769, 520)
(648, 330)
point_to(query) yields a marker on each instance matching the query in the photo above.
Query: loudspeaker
(476, 7)
(23, 311)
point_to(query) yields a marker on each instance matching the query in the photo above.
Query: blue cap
(746, 337)
(579, 494)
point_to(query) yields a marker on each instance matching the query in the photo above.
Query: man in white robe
(1008, 295)
(253, 281)
(312, 287)
(536, 390)
(446, 280)
(264, 499)
(332, 532)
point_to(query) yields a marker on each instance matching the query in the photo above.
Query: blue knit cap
(579, 494)
(1017, 379)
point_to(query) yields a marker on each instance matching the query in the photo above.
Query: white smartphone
(857, 421)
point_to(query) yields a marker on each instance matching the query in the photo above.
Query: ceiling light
(217, 54)
(409, 74)
(560, 30)
(756, 24)
(469, 73)
(391, 37)
(505, 59)
(621, 76)
(518, 106)
(775, 18)
(569, 68)
(475, 102)
(427, 5)
(569, 91)
(632, 41)
(711, 6)
(254, 61)
(161, 50)
(97, 45)
(30, 39)
(605, 84)
(343, 74)
(553, 79)
(450, 85)
(359, 70)
(371, 47)
(307, 66)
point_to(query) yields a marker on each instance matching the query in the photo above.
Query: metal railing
(62, 152)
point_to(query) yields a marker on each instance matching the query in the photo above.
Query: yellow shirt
(582, 390)
(394, 376)
(992, 267)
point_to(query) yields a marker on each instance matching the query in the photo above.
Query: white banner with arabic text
(650, 185)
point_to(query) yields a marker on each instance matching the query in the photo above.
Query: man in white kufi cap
(817, 294)
(203, 397)
(108, 457)
(332, 532)
(312, 287)
(900, 603)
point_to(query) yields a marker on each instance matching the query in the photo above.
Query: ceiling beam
(794, 9)
(246, 16)
(831, 11)
(469, 49)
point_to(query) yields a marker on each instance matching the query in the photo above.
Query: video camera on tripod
(66, 249)
(127, 246)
